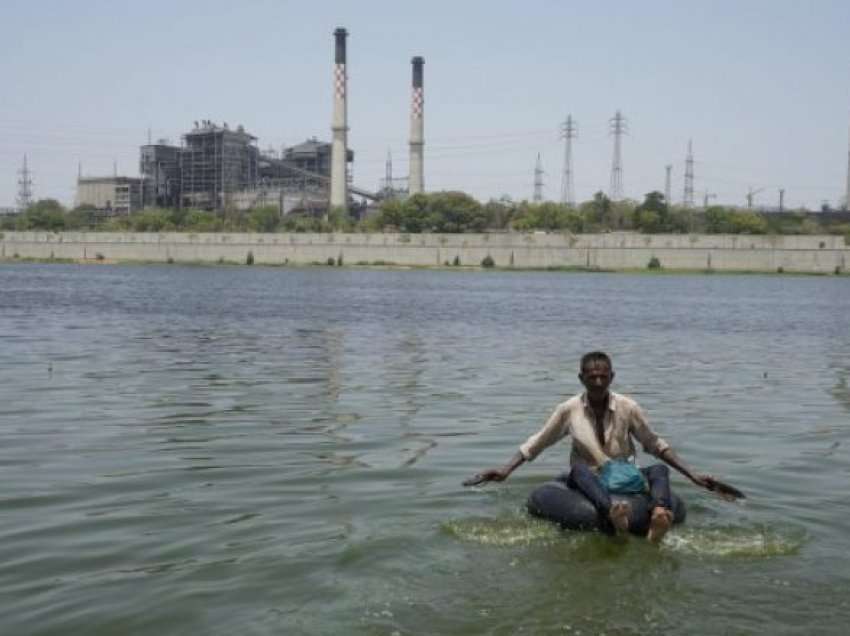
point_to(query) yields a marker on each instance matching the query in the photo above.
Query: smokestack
(416, 182)
(339, 125)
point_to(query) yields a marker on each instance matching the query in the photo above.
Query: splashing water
(731, 541)
(516, 531)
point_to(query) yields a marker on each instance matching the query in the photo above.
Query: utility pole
(750, 195)
(568, 133)
(689, 176)
(538, 180)
(781, 200)
(24, 187)
(617, 127)
(667, 169)
(708, 195)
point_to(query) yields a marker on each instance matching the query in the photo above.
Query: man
(602, 424)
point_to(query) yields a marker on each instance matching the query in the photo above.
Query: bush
(654, 263)
(249, 259)
(456, 261)
(488, 261)
(331, 262)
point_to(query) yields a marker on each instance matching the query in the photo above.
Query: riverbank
(806, 254)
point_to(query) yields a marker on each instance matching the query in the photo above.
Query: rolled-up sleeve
(555, 428)
(649, 439)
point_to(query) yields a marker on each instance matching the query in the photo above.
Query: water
(266, 451)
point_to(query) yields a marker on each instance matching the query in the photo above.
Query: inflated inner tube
(570, 509)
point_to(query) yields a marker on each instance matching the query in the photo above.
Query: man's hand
(726, 491)
(491, 474)
(706, 481)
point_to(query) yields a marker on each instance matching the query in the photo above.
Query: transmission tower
(24, 187)
(689, 176)
(538, 180)
(667, 183)
(568, 133)
(618, 127)
(388, 185)
(847, 194)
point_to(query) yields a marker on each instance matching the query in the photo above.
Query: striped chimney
(417, 129)
(339, 125)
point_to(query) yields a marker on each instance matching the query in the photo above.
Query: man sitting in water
(602, 424)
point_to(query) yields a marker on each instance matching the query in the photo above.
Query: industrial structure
(688, 200)
(568, 133)
(619, 127)
(537, 197)
(216, 167)
(109, 196)
(417, 128)
(339, 125)
(24, 187)
(215, 162)
(847, 191)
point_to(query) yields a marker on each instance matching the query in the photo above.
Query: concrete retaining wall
(810, 253)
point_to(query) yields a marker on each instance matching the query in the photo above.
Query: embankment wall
(615, 251)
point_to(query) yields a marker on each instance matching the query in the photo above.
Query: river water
(220, 450)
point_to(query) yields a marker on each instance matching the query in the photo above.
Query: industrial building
(111, 196)
(216, 167)
(159, 165)
(216, 162)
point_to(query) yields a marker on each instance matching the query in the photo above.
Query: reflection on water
(210, 450)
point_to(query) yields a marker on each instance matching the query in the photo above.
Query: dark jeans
(588, 483)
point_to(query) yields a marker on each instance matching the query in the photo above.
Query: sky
(761, 87)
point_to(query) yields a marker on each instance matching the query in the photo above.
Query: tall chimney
(417, 129)
(339, 125)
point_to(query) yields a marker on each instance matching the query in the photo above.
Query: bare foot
(659, 524)
(619, 514)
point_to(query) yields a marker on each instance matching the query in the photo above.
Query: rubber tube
(570, 509)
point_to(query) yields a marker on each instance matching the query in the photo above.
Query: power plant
(216, 167)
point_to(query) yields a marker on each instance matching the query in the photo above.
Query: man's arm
(659, 447)
(552, 431)
(669, 456)
(497, 474)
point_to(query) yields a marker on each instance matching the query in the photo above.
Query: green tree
(454, 212)
(653, 214)
(80, 218)
(264, 219)
(45, 214)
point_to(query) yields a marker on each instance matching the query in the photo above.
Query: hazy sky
(762, 87)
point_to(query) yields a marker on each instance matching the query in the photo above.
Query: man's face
(596, 378)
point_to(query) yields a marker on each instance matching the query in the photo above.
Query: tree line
(443, 212)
